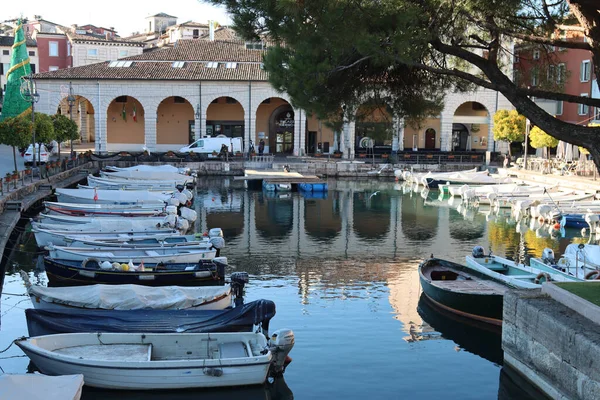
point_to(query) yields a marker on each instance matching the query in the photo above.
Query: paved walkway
(589, 184)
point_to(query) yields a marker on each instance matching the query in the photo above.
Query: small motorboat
(41, 387)
(515, 275)
(149, 361)
(462, 290)
(249, 317)
(45, 237)
(579, 262)
(90, 271)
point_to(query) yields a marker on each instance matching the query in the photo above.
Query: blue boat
(313, 195)
(574, 221)
(276, 187)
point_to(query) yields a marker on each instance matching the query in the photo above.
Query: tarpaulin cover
(130, 297)
(40, 387)
(590, 254)
(238, 319)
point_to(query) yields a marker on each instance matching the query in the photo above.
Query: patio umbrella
(569, 152)
(560, 149)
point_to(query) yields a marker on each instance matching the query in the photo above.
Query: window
(563, 37)
(1, 69)
(583, 109)
(32, 68)
(122, 53)
(68, 49)
(52, 68)
(32, 53)
(517, 58)
(534, 77)
(231, 65)
(516, 76)
(551, 73)
(536, 54)
(120, 64)
(6, 68)
(53, 49)
(93, 52)
(584, 72)
(561, 71)
(178, 64)
(212, 64)
(255, 46)
(597, 114)
(559, 108)
(5, 52)
(196, 33)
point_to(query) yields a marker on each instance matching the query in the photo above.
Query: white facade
(85, 53)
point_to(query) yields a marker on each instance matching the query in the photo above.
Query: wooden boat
(174, 178)
(41, 387)
(249, 317)
(129, 184)
(121, 225)
(150, 255)
(462, 290)
(515, 275)
(44, 237)
(148, 361)
(88, 272)
(117, 210)
(151, 168)
(149, 241)
(83, 219)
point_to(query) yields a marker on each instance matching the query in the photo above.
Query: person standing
(261, 147)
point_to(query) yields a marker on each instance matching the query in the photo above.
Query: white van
(208, 145)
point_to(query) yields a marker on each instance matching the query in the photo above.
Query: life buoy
(590, 274)
(90, 263)
(541, 275)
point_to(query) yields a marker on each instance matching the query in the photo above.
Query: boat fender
(213, 372)
(546, 278)
(106, 265)
(90, 262)
(592, 275)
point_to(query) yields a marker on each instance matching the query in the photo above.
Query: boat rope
(14, 294)
(13, 307)
(550, 197)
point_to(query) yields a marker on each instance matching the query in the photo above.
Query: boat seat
(152, 253)
(232, 350)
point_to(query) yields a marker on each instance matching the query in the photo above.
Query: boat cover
(238, 319)
(130, 297)
(40, 387)
(590, 254)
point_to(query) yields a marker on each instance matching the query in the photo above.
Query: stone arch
(374, 121)
(281, 130)
(475, 117)
(175, 121)
(265, 114)
(125, 124)
(83, 113)
(224, 115)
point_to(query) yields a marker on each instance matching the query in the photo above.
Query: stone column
(349, 134)
(299, 131)
(202, 124)
(150, 132)
(398, 131)
(249, 130)
(84, 125)
(446, 131)
(101, 112)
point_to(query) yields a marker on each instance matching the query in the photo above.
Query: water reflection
(371, 214)
(514, 387)
(322, 219)
(419, 222)
(276, 389)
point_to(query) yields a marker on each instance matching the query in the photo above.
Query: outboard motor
(548, 257)
(190, 185)
(179, 187)
(238, 282)
(171, 210)
(215, 232)
(280, 344)
(218, 243)
(478, 252)
(189, 214)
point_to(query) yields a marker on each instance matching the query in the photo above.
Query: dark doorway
(281, 137)
(312, 142)
(192, 128)
(460, 136)
(430, 138)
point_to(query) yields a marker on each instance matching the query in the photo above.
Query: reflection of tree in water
(274, 217)
(322, 219)
(464, 229)
(418, 221)
(371, 215)
(504, 238)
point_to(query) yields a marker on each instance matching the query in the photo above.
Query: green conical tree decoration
(14, 105)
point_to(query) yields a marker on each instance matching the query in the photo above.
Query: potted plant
(8, 177)
(28, 171)
(238, 153)
(15, 175)
(337, 154)
(170, 153)
(385, 155)
(214, 153)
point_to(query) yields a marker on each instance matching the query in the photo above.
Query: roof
(189, 23)
(162, 15)
(8, 41)
(94, 37)
(157, 64)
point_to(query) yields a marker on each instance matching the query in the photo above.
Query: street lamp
(527, 127)
(71, 101)
(30, 94)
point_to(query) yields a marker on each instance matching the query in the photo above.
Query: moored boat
(44, 237)
(41, 387)
(88, 272)
(579, 262)
(146, 361)
(462, 290)
(132, 210)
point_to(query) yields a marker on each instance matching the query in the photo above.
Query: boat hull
(70, 273)
(481, 306)
(171, 255)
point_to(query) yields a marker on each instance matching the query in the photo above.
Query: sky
(125, 16)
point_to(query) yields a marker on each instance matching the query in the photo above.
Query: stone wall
(555, 348)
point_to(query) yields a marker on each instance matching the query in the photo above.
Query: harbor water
(342, 268)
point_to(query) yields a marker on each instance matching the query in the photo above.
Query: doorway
(282, 125)
(460, 137)
(312, 142)
(430, 139)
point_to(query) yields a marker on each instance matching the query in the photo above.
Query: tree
(509, 126)
(64, 129)
(15, 132)
(540, 139)
(330, 53)
(44, 130)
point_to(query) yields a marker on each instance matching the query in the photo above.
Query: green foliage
(44, 128)
(15, 132)
(509, 126)
(540, 139)
(64, 128)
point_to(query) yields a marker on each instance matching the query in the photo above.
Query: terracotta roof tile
(203, 50)
(91, 37)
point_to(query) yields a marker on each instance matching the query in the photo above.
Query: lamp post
(527, 127)
(30, 94)
(71, 101)
(198, 115)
